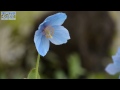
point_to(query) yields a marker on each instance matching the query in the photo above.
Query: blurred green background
(15, 63)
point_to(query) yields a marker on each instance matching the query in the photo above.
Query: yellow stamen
(49, 31)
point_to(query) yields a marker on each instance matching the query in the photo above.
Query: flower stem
(37, 66)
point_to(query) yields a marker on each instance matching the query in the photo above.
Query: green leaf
(60, 75)
(32, 74)
(74, 66)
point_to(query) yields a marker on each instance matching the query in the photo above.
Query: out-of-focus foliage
(74, 66)
(59, 74)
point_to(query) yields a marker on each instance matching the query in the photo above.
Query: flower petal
(60, 36)
(116, 60)
(41, 43)
(112, 69)
(41, 26)
(118, 51)
(56, 19)
(37, 37)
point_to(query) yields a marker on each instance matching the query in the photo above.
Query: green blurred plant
(74, 67)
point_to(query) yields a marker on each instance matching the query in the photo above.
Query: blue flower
(51, 31)
(114, 68)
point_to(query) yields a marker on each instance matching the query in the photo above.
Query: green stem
(37, 66)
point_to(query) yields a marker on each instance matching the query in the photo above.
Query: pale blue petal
(60, 36)
(116, 60)
(37, 37)
(41, 26)
(118, 51)
(112, 69)
(44, 46)
(55, 19)
(41, 43)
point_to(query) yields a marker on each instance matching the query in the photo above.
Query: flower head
(114, 68)
(51, 31)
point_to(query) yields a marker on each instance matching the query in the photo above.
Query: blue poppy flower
(51, 31)
(114, 68)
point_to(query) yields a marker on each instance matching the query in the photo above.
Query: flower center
(48, 31)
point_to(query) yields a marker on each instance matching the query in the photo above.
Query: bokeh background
(95, 37)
